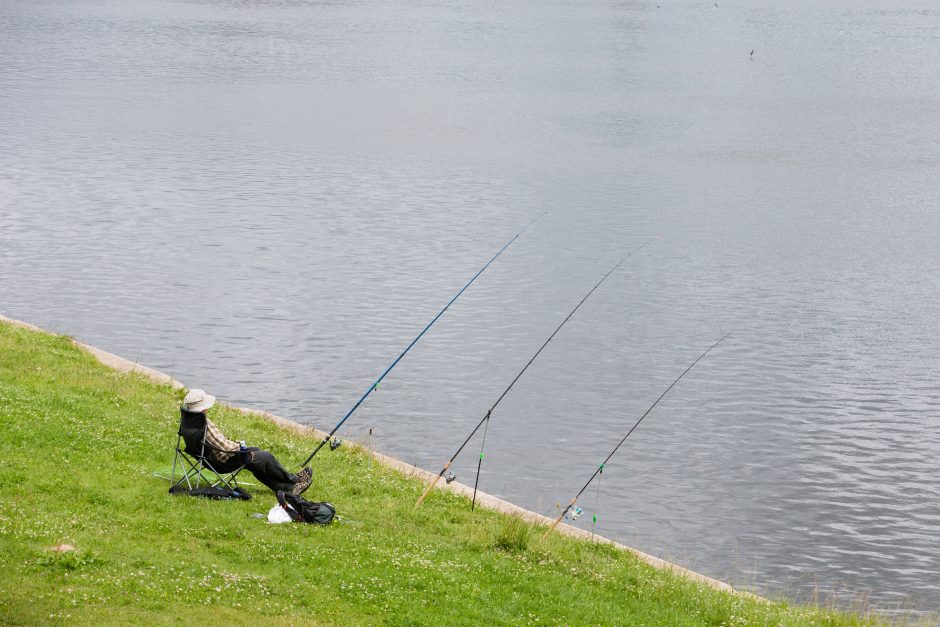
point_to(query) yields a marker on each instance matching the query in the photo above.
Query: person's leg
(265, 467)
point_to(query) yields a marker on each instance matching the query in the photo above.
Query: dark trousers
(266, 469)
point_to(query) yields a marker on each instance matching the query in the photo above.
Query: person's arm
(217, 440)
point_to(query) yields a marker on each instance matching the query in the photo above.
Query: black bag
(301, 510)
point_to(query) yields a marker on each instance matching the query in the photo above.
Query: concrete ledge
(484, 500)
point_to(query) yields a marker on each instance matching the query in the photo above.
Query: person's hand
(248, 453)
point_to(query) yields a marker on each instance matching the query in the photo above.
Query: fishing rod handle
(431, 485)
(560, 516)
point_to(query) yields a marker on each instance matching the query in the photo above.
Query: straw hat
(198, 400)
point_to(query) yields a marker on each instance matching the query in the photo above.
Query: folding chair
(198, 469)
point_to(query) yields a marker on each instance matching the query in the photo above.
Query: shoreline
(488, 501)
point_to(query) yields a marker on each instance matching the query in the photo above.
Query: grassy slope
(80, 444)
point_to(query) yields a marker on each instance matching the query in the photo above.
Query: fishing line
(489, 412)
(334, 444)
(635, 425)
(597, 497)
(479, 463)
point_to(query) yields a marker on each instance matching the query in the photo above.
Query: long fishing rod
(335, 443)
(489, 412)
(600, 469)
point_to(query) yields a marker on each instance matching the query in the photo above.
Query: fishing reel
(449, 477)
(574, 513)
(335, 443)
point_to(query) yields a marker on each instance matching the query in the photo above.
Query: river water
(270, 199)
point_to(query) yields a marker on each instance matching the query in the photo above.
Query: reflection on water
(271, 199)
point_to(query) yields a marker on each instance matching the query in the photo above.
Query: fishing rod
(334, 444)
(451, 476)
(600, 469)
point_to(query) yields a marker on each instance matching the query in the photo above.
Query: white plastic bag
(278, 515)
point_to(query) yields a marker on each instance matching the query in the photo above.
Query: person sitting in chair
(227, 456)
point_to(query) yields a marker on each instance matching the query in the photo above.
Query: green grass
(80, 445)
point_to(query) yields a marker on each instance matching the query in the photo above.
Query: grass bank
(80, 444)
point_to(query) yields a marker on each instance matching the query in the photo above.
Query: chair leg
(175, 459)
(178, 460)
(200, 472)
(186, 474)
(227, 479)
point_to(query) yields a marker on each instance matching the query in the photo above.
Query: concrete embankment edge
(484, 500)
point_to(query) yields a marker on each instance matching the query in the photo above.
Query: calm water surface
(269, 200)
